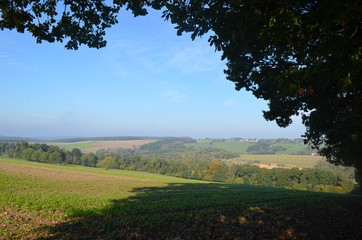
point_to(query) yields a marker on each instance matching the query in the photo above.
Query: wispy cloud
(129, 58)
(174, 96)
(131, 47)
(68, 116)
(41, 115)
(7, 55)
(134, 55)
(5, 59)
(229, 103)
(196, 57)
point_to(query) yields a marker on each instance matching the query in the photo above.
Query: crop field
(300, 161)
(80, 145)
(241, 147)
(44, 201)
(93, 146)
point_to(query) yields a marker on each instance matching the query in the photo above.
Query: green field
(79, 145)
(302, 161)
(241, 147)
(291, 148)
(67, 202)
(232, 146)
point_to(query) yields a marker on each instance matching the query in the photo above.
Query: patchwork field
(273, 161)
(93, 146)
(71, 202)
(241, 147)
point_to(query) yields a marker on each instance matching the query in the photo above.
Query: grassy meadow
(44, 201)
(79, 145)
(232, 146)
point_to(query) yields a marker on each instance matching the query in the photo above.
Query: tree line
(210, 169)
(48, 154)
(313, 179)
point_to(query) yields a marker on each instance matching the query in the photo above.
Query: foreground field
(57, 202)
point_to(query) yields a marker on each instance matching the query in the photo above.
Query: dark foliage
(264, 148)
(301, 56)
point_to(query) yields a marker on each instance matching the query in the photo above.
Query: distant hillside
(167, 143)
(124, 138)
(260, 146)
(17, 139)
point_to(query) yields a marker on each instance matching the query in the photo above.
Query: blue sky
(147, 82)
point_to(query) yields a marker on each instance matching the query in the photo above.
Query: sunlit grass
(39, 186)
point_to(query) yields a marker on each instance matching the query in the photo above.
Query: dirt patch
(273, 165)
(23, 224)
(61, 174)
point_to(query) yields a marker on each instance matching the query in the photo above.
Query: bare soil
(274, 165)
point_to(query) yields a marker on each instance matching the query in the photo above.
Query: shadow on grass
(217, 211)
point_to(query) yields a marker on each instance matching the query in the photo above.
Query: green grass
(71, 202)
(79, 145)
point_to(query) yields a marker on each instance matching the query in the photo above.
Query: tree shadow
(217, 211)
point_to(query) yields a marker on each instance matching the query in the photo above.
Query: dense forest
(170, 157)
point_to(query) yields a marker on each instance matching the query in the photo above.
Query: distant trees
(36, 155)
(313, 179)
(216, 172)
(55, 157)
(48, 153)
(109, 162)
(175, 153)
(89, 159)
(76, 156)
(203, 164)
(27, 154)
(264, 148)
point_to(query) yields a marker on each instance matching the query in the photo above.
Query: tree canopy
(303, 57)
